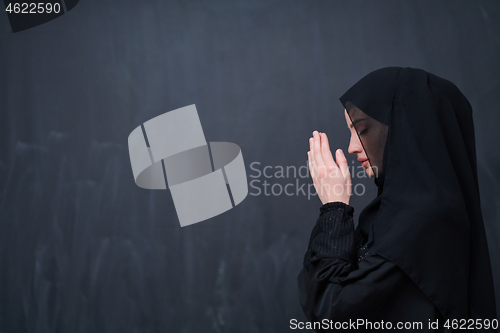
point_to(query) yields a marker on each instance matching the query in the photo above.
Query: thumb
(342, 162)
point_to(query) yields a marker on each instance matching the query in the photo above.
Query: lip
(364, 161)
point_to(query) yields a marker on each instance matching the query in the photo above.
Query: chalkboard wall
(83, 249)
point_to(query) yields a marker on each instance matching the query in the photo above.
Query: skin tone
(331, 177)
(356, 148)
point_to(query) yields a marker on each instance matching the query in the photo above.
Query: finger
(311, 171)
(326, 152)
(311, 156)
(318, 158)
(313, 174)
(342, 162)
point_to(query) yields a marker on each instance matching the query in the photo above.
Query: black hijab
(418, 134)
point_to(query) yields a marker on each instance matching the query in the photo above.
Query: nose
(355, 145)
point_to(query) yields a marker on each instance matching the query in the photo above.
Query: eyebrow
(354, 122)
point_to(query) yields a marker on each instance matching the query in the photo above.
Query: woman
(419, 254)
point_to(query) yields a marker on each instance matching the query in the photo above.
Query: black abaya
(426, 256)
(344, 283)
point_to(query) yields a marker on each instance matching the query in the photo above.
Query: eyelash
(362, 132)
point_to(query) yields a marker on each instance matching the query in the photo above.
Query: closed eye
(363, 131)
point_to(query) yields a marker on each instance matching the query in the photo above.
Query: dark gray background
(83, 249)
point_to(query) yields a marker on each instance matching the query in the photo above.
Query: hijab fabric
(417, 131)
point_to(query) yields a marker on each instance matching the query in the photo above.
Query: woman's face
(355, 147)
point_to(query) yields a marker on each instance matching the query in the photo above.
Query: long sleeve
(333, 236)
(338, 284)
